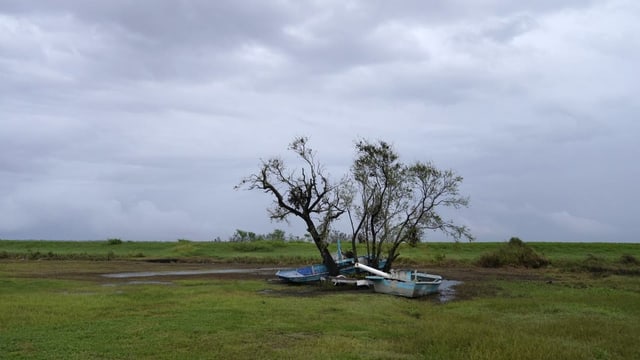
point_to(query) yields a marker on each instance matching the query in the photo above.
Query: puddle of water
(188, 272)
(447, 291)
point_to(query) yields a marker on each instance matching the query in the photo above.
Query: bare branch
(304, 193)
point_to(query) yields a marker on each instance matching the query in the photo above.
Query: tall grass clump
(627, 259)
(625, 265)
(514, 253)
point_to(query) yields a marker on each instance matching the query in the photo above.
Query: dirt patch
(107, 271)
(470, 274)
(474, 281)
(478, 282)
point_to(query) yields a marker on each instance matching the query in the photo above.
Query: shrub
(114, 241)
(515, 241)
(514, 253)
(627, 259)
(594, 264)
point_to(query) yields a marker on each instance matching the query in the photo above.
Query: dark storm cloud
(136, 119)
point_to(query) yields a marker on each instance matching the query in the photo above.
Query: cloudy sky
(135, 119)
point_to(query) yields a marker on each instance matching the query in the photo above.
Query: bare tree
(392, 203)
(305, 193)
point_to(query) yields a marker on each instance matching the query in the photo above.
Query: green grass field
(579, 315)
(295, 252)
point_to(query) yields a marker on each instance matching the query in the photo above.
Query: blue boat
(316, 272)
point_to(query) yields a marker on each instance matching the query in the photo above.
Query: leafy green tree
(392, 203)
(277, 234)
(388, 202)
(243, 236)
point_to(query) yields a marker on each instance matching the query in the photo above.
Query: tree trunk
(323, 247)
(329, 262)
(354, 248)
(389, 263)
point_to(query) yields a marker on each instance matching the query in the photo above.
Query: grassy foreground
(577, 315)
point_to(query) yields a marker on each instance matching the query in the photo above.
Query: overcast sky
(135, 119)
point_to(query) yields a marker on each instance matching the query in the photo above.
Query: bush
(114, 241)
(513, 253)
(627, 259)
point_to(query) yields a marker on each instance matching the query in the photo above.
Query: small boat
(407, 283)
(318, 272)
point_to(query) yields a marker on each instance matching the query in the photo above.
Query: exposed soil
(477, 281)
(474, 281)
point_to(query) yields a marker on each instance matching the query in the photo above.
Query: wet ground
(451, 289)
(459, 284)
(447, 290)
(246, 271)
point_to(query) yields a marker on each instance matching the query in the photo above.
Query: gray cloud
(135, 120)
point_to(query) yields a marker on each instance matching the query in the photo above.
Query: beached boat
(407, 283)
(312, 273)
(317, 272)
(304, 274)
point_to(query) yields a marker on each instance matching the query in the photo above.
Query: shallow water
(127, 275)
(447, 291)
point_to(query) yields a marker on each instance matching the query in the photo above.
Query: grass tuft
(627, 259)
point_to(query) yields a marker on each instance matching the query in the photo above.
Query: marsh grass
(625, 265)
(577, 316)
(566, 255)
(588, 311)
(258, 246)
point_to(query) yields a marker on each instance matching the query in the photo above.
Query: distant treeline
(279, 235)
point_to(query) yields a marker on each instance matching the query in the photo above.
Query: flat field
(56, 303)
(279, 252)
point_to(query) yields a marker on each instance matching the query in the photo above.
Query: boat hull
(315, 273)
(406, 283)
(304, 274)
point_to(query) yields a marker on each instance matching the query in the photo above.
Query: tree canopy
(388, 203)
(306, 193)
(394, 203)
